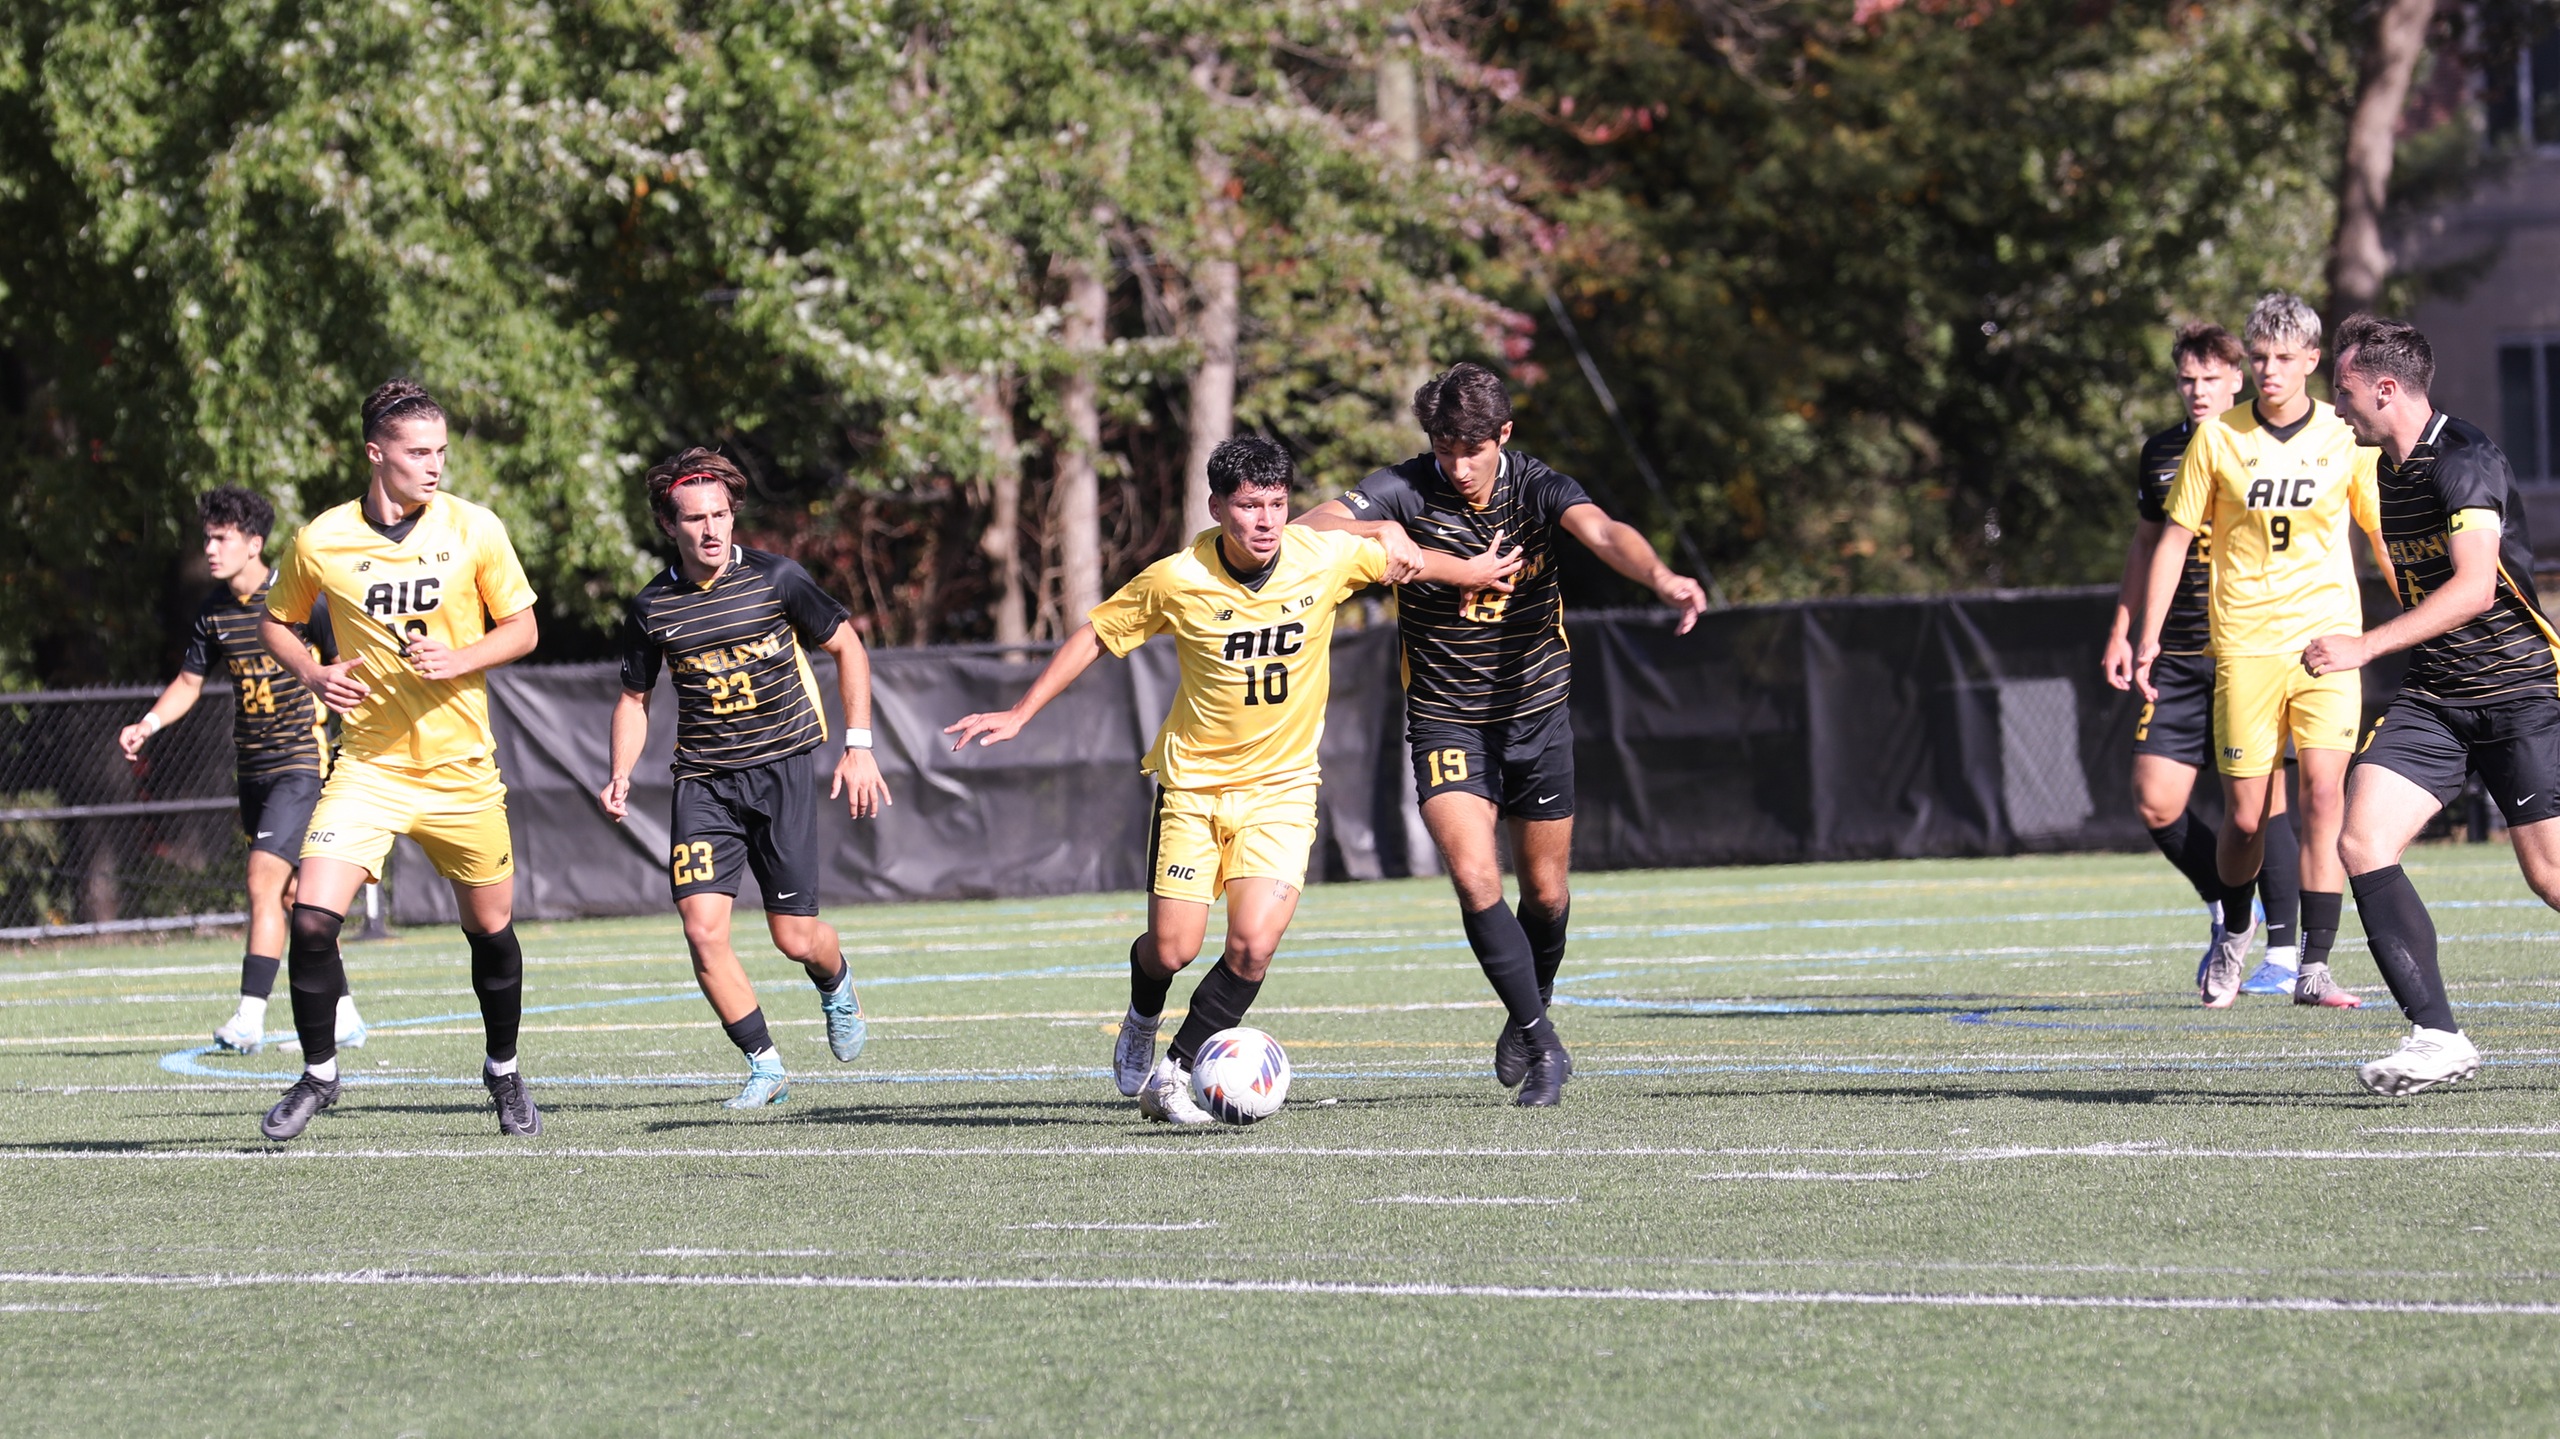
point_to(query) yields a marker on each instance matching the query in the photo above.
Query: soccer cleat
(766, 1084)
(351, 1027)
(292, 1114)
(2318, 986)
(2212, 947)
(1166, 1096)
(846, 1028)
(1542, 1087)
(516, 1114)
(1133, 1054)
(2427, 1058)
(1510, 1055)
(238, 1035)
(2223, 967)
(2275, 974)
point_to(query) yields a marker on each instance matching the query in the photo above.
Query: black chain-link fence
(91, 843)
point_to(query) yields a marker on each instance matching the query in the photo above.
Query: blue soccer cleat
(846, 1029)
(766, 1084)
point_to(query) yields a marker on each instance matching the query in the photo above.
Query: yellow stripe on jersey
(1257, 664)
(2280, 511)
(452, 577)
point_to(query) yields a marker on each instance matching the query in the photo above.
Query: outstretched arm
(1624, 548)
(1405, 559)
(1072, 659)
(857, 774)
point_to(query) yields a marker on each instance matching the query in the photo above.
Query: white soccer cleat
(2224, 966)
(1133, 1054)
(2212, 947)
(351, 1030)
(240, 1034)
(2427, 1058)
(1166, 1096)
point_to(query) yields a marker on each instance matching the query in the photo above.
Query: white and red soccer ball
(1240, 1075)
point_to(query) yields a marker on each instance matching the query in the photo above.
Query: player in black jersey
(1486, 680)
(733, 626)
(2482, 692)
(277, 732)
(2173, 736)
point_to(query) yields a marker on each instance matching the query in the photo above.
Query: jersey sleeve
(1552, 492)
(1133, 614)
(2149, 502)
(2364, 494)
(2474, 478)
(1384, 495)
(812, 611)
(504, 591)
(1362, 563)
(297, 588)
(2190, 503)
(199, 656)
(321, 635)
(640, 655)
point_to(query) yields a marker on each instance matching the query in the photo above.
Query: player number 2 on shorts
(693, 863)
(1448, 766)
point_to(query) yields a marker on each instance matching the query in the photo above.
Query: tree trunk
(1216, 284)
(1002, 543)
(2358, 263)
(1400, 96)
(1078, 495)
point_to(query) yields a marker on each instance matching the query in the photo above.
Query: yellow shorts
(1206, 837)
(2260, 699)
(456, 813)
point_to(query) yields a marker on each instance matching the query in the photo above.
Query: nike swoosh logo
(2528, 799)
(270, 834)
(786, 894)
(1546, 799)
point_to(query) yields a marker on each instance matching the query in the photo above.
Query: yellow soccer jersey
(2279, 511)
(1257, 660)
(452, 576)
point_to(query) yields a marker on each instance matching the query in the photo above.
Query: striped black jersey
(1499, 655)
(276, 724)
(2187, 629)
(2455, 479)
(738, 649)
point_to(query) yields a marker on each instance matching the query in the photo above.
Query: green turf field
(1896, 1148)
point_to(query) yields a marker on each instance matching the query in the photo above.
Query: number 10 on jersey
(1268, 686)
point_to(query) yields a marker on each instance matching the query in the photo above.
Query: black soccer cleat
(293, 1113)
(1543, 1086)
(1510, 1055)
(516, 1114)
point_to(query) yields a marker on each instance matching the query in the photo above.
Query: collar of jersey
(677, 570)
(1501, 472)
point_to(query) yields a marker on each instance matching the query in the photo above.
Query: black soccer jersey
(1503, 655)
(2186, 630)
(2452, 476)
(744, 693)
(276, 724)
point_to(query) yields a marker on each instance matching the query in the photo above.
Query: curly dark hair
(394, 402)
(233, 508)
(2387, 347)
(1465, 405)
(691, 467)
(1250, 460)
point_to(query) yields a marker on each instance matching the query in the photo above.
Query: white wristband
(857, 739)
(150, 723)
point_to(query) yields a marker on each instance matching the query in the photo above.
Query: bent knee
(1250, 962)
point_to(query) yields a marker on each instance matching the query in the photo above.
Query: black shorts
(1524, 765)
(276, 808)
(2178, 725)
(763, 819)
(2514, 744)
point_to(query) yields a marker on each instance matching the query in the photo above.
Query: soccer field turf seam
(1194, 1149)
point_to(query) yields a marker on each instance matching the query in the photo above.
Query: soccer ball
(1240, 1075)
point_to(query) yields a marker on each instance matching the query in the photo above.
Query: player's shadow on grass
(2113, 1098)
(997, 1114)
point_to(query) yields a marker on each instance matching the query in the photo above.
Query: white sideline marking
(2464, 1129)
(1132, 1228)
(1811, 1176)
(1209, 1147)
(1315, 1288)
(1465, 1199)
(48, 1308)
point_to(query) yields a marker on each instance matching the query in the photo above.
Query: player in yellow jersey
(426, 592)
(1250, 607)
(2279, 481)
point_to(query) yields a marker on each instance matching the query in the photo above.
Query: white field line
(1811, 1176)
(1124, 1228)
(48, 1308)
(2462, 1129)
(1210, 1146)
(1469, 1199)
(1311, 1288)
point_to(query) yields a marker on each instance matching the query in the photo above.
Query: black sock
(1146, 987)
(2280, 879)
(749, 1034)
(318, 976)
(2320, 923)
(1502, 951)
(1219, 1003)
(2403, 938)
(1546, 944)
(844, 971)
(2189, 846)
(2236, 899)
(497, 976)
(258, 976)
